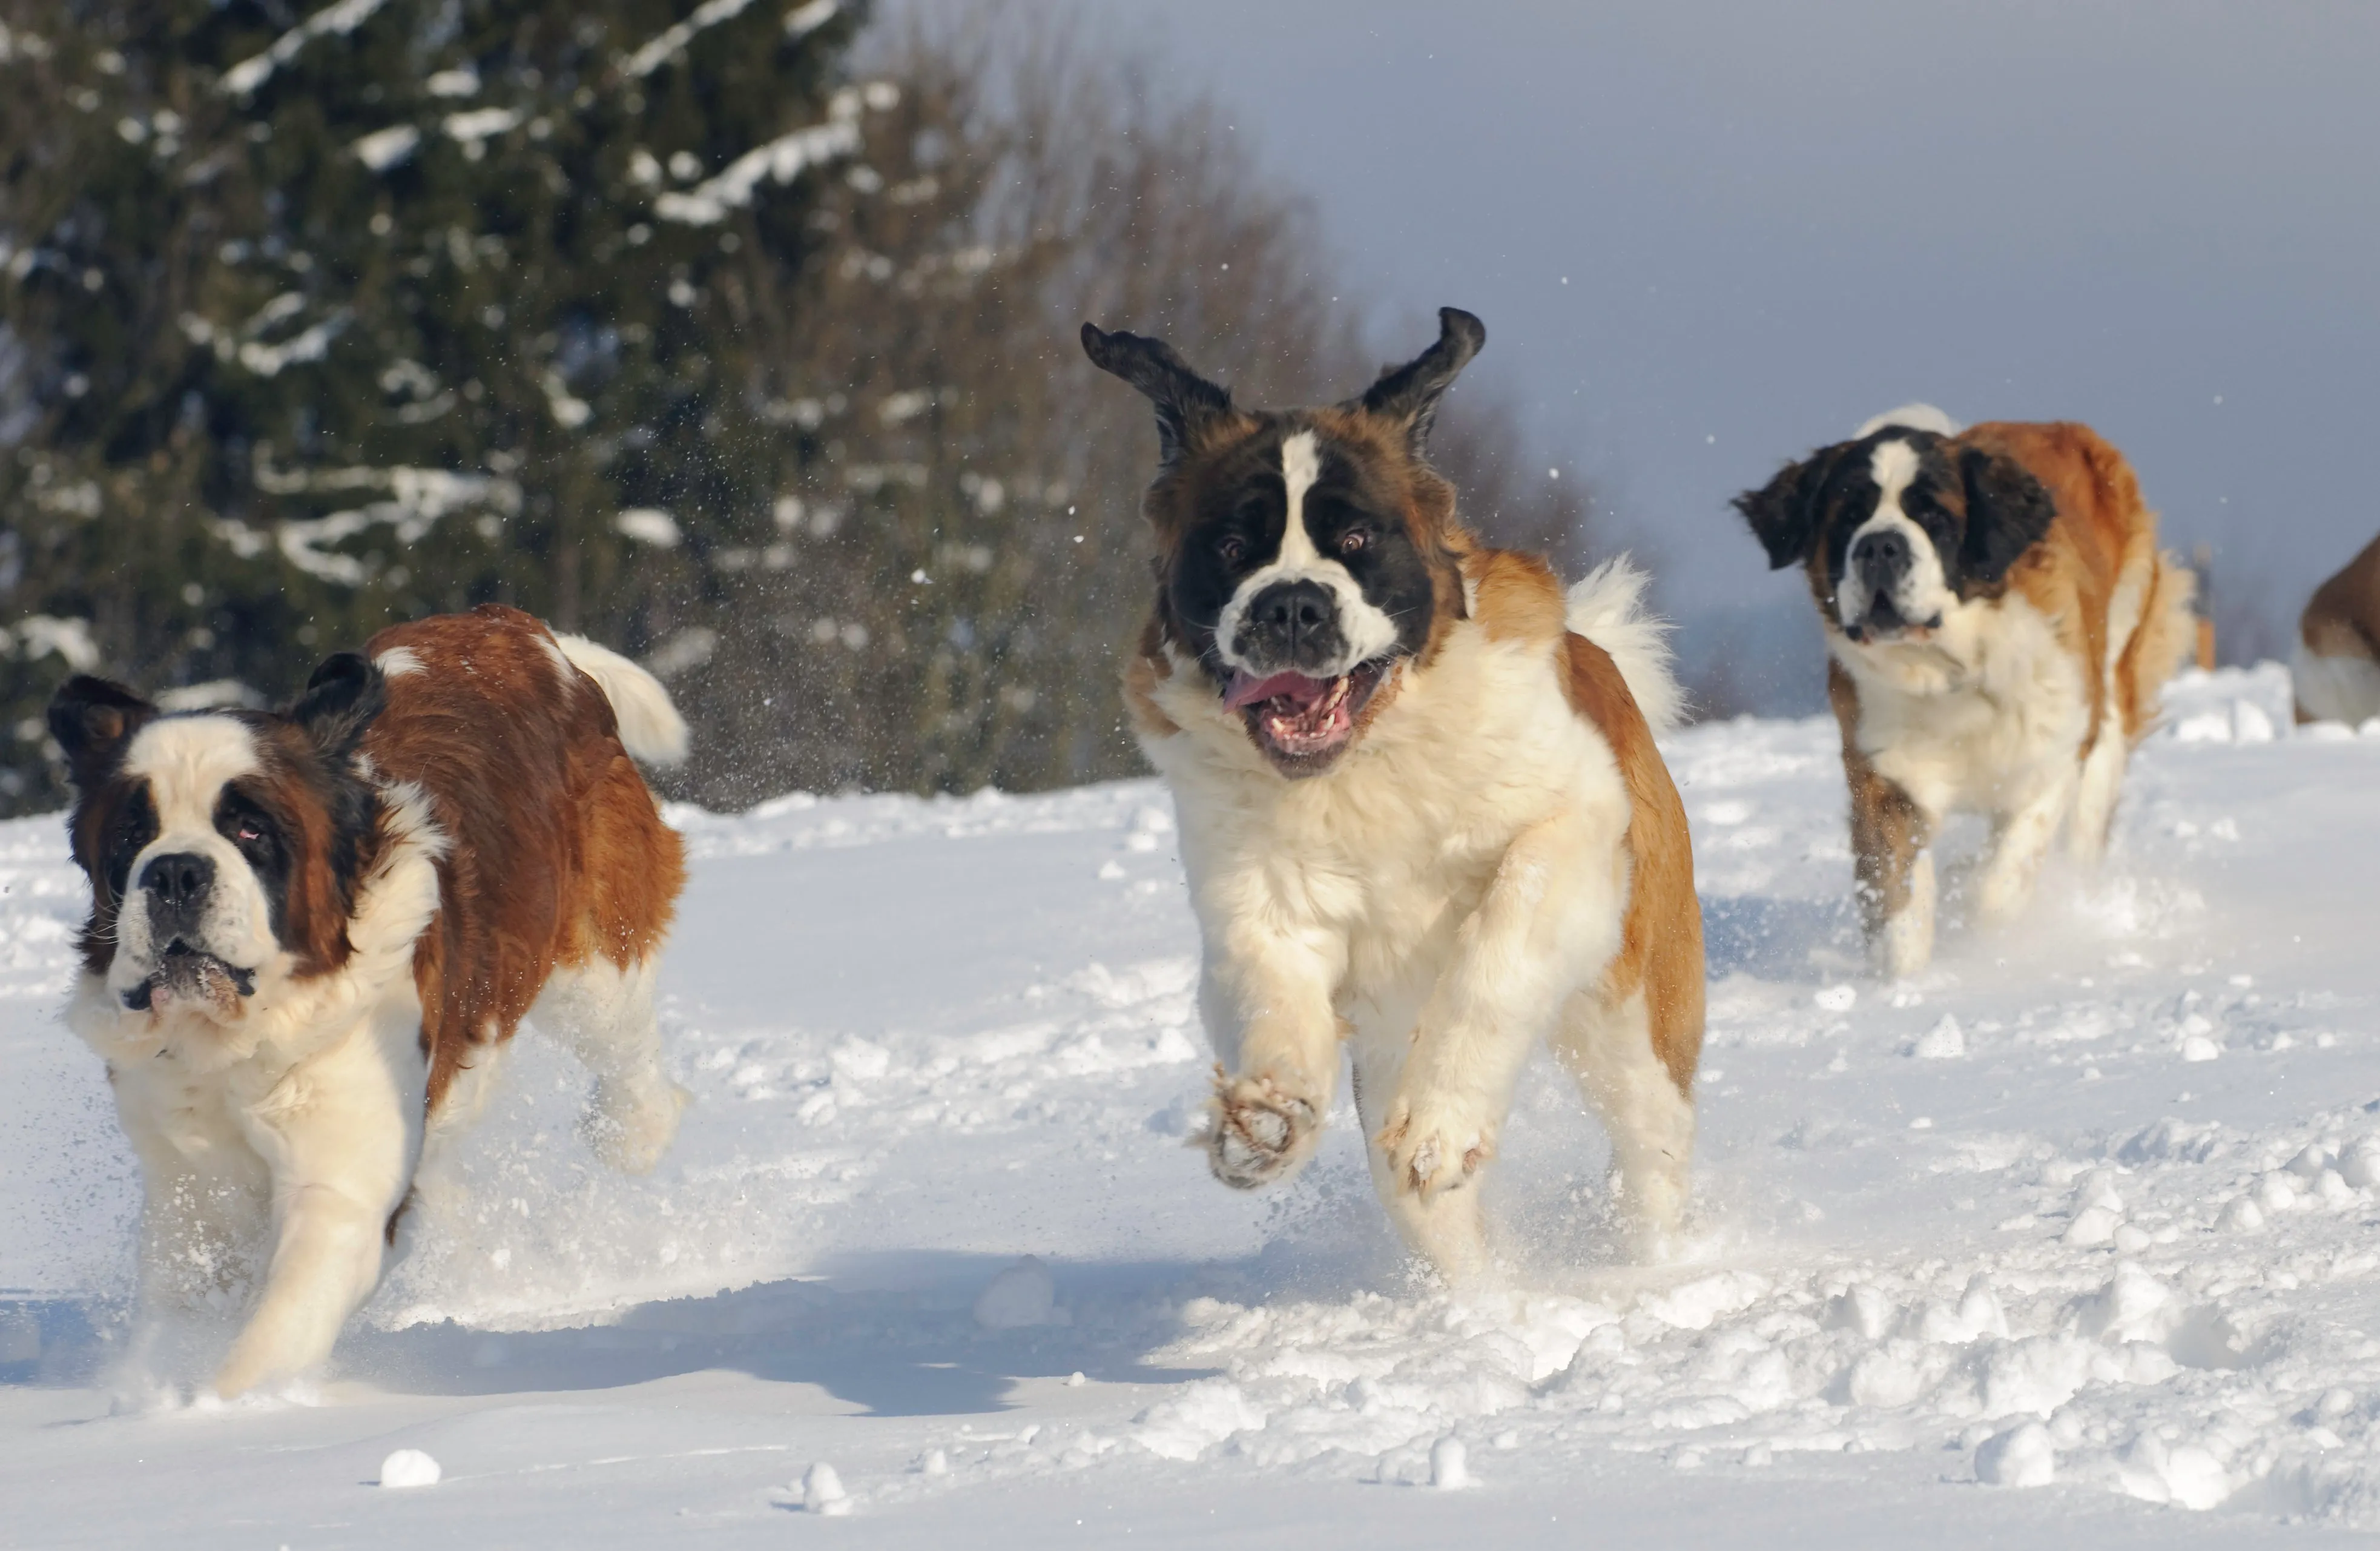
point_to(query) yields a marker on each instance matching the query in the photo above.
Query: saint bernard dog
(1420, 804)
(311, 928)
(2337, 666)
(1999, 624)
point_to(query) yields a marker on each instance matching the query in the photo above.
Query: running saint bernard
(1999, 624)
(1422, 811)
(312, 930)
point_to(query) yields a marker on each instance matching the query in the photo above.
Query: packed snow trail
(2090, 1208)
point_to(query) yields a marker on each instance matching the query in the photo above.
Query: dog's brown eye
(1354, 541)
(1229, 547)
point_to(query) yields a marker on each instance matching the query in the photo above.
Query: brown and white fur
(1999, 624)
(310, 931)
(1426, 819)
(2337, 666)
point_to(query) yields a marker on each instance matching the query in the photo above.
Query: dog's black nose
(1882, 559)
(178, 879)
(1293, 608)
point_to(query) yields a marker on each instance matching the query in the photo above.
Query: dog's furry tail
(651, 729)
(1606, 606)
(1910, 417)
(2165, 641)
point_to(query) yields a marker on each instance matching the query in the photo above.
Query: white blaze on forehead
(1300, 467)
(1893, 466)
(1366, 631)
(187, 762)
(1922, 592)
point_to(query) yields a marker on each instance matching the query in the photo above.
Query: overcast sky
(1707, 237)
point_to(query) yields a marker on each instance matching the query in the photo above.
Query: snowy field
(2087, 1210)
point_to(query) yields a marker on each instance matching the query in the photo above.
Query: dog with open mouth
(1420, 806)
(312, 930)
(1998, 624)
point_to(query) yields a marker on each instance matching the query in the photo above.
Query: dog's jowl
(1422, 811)
(312, 930)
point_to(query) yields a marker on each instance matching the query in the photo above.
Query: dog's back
(555, 856)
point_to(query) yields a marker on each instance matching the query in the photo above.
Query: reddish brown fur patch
(96, 815)
(557, 854)
(294, 789)
(1661, 938)
(1143, 671)
(2342, 619)
(2071, 574)
(1516, 596)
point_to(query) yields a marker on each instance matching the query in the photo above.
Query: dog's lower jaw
(1260, 1131)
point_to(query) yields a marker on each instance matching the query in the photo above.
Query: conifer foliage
(720, 330)
(322, 319)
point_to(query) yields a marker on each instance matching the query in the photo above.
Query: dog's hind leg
(1609, 1048)
(604, 1014)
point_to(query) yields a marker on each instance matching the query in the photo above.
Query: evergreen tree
(652, 317)
(316, 321)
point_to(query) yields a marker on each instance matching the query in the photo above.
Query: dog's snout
(178, 880)
(1882, 559)
(1294, 607)
(1292, 625)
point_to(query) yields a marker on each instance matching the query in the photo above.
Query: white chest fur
(1988, 715)
(1388, 853)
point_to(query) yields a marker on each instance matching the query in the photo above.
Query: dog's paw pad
(1427, 1155)
(1260, 1132)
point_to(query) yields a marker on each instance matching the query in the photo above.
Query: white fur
(1449, 893)
(1922, 591)
(2336, 689)
(1606, 606)
(604, 1015)
(397, 662)
(1910, 417)
(275, 1148)
(2102, 779)
(1609, 1051)
(304, 1114)
(1367, 630)
(1989, 715)
(651, 729)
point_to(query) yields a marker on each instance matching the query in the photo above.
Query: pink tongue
(1245, 690)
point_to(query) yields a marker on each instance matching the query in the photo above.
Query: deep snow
(2087, 1203)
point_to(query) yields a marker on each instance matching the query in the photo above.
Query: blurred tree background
(739, 336)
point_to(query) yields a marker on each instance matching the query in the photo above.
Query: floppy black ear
(2007, 511)
(340, 701)
(1409, 394)
(1784, 512)
(1185, 400)
(93, 719)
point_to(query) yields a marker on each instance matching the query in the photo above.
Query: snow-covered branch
(342, 19)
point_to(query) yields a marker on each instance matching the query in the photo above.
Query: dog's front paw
(1261, 1130)
(1431, 1146)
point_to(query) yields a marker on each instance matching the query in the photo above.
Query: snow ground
(2086, 1200)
